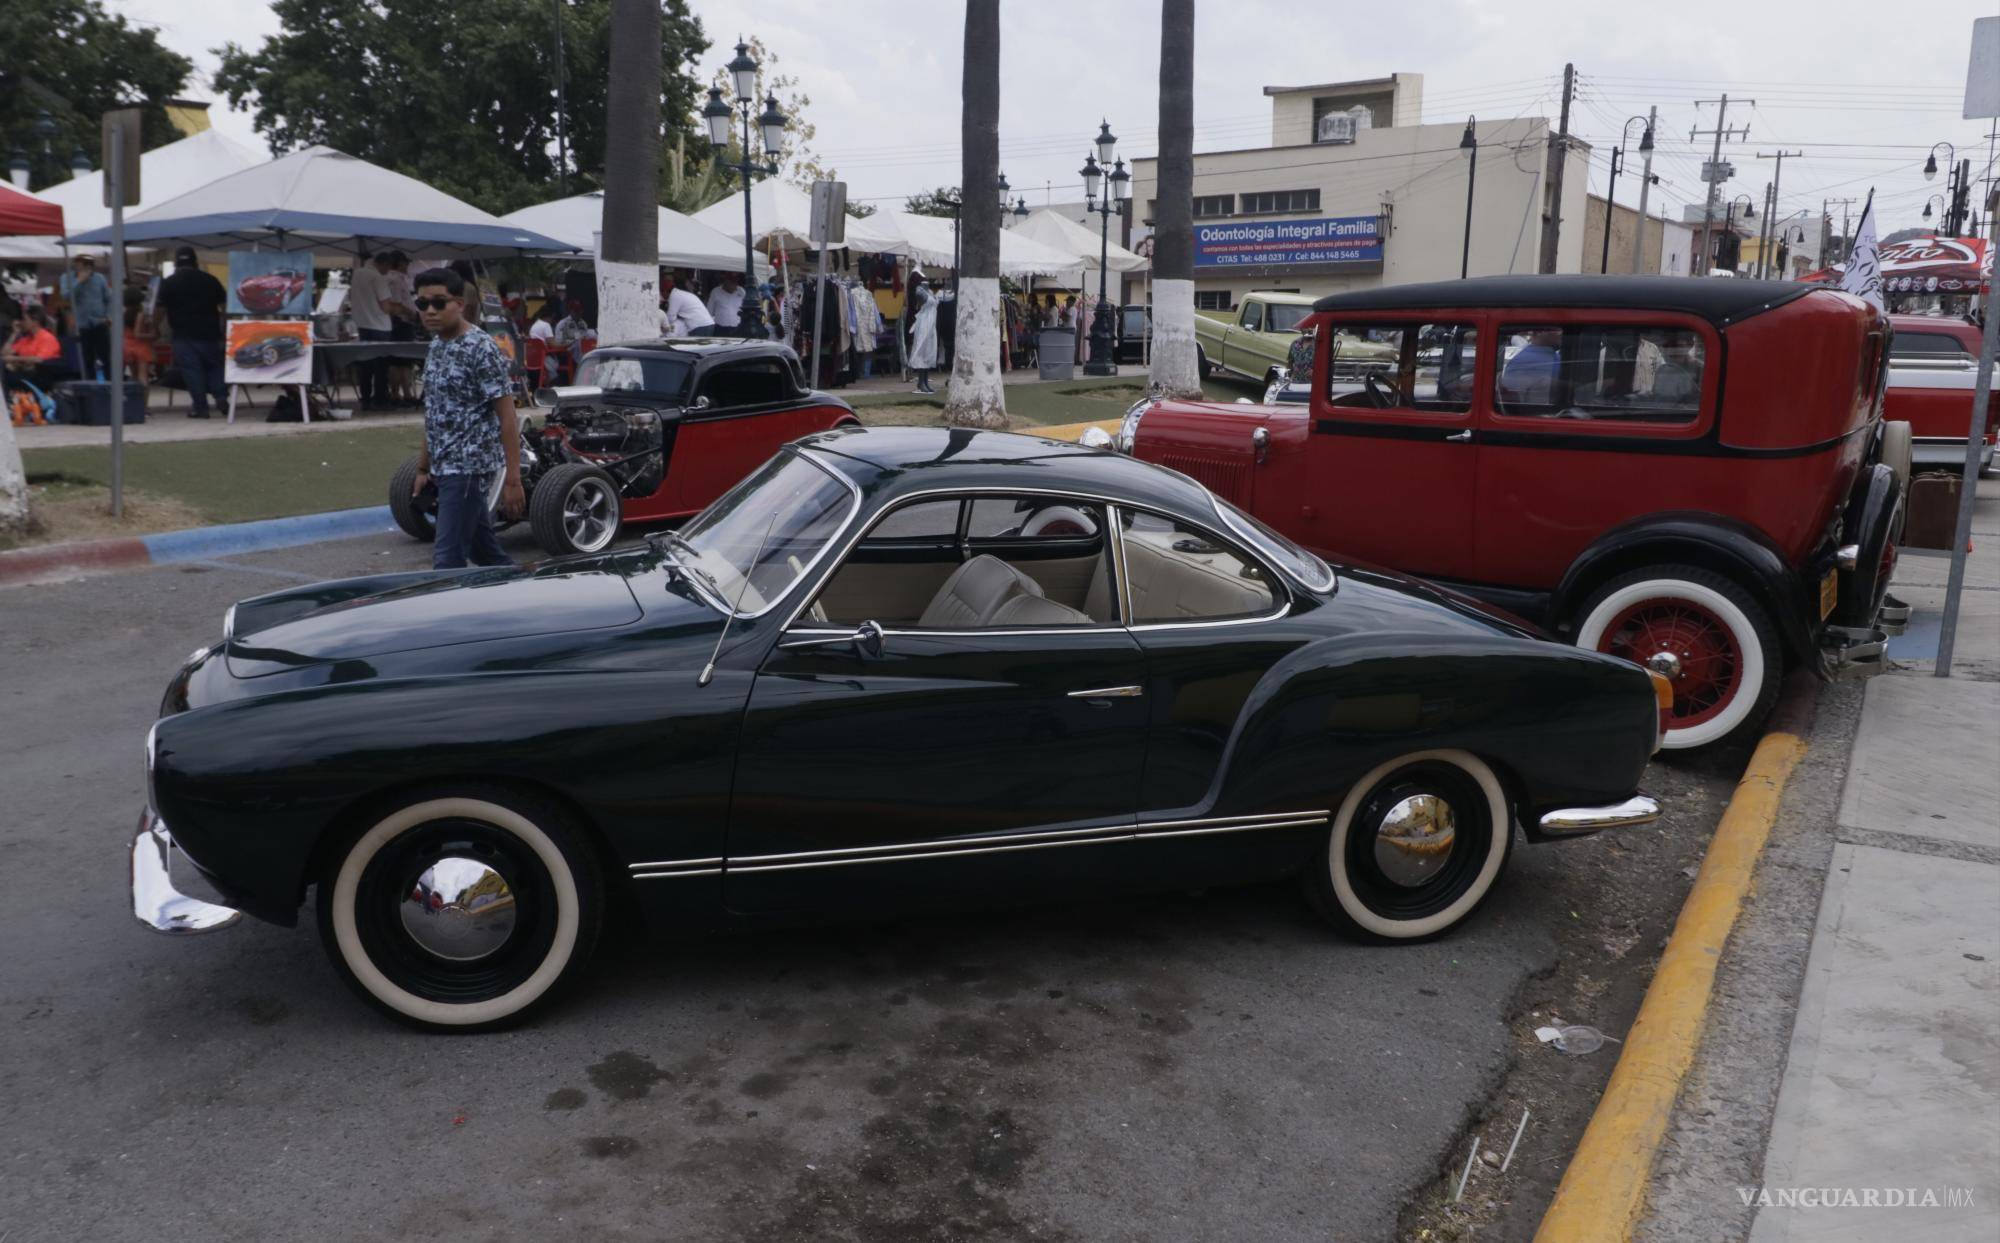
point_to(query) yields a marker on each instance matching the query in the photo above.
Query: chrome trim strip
(905, 847)
(1235, 828)
(676, 875)
(677, 863)
(933, 854)
(1269, 815)
(1119, 579)
(1570, 821)
(1110, 692)
(229, 624)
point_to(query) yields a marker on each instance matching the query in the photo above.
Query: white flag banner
(1863, 277)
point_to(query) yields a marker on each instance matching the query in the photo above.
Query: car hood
(354, 619)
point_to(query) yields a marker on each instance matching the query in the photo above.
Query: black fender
(255, 789)
(1874, 509)
(1708, 541)
(1560, 726)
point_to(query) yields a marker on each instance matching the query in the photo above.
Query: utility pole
(1610, 201)
(1715, 172)
(562, 109)
(1960, 199)
(1770, 216)
(1763, 232)
(1645, 184)
(1558, 157)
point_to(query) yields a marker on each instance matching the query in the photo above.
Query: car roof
(1718, 301)
(896, 461)
(1281, 297)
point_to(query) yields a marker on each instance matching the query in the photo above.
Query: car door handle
(1109, 692)
(1460, 438)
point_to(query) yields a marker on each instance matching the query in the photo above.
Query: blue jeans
(201, 370)
(465, 525)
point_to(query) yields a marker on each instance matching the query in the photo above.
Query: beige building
(1667, 251)
(1355, 193)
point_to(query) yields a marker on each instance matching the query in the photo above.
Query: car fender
(1563, 727)
(254, 789)
(1708, 541)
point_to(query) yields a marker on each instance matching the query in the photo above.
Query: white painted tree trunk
(628, 301)
(13, 480)
(976, 398)
(1174, 371)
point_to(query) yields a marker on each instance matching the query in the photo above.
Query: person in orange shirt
(34, 351)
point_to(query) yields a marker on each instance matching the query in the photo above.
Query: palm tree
(628, 272)
(13, 481)
(976, 397)
(1174, 370)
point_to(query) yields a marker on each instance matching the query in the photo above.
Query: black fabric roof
(1715, 299)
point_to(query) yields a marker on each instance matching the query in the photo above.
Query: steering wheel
(1378, 392)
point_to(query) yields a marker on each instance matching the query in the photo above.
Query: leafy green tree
(462, 99)
(76, 61)
(942, 201)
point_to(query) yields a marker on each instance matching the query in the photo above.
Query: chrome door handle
(1459, 438)
(1110, 692)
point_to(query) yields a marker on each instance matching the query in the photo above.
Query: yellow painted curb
(1604, 1188)
(1070, 431)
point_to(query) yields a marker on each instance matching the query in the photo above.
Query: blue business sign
(1261, 243)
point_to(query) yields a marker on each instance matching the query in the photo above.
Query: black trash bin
(89, 402)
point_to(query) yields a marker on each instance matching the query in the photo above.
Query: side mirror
(700, 403)
(1260, 442)
(866, 639)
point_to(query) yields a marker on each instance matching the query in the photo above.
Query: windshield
(663, 375)
(1299, 563)
(790, 509)
(1286, 318)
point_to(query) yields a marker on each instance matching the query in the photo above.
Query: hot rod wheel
(417, 515)
(461, 909)
(574, 508)
(1704, 633)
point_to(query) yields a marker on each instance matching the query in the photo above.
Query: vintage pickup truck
(1934, 396)
(1254, 341)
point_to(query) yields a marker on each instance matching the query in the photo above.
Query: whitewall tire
(1414, 849)
(462, 910)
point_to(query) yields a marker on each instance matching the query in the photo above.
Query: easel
(305, 402)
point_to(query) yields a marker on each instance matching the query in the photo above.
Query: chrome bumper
(155, 901)
(1947, 453)
(1577, 821)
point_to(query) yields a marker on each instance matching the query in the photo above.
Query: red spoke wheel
(1711, 639)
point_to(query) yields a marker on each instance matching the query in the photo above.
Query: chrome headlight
(1128, 428)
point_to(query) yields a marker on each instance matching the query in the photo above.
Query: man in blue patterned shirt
(469, 428)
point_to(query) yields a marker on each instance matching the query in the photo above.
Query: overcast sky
(1861, 87)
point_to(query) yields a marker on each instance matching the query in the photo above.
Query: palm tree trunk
(1174, 371)
(628, 272)
(977, 398)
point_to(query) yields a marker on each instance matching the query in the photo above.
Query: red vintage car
(1932, 367)
(1693, 474)
(270, 292)
(651, 431)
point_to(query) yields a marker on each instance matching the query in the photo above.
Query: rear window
(1600, 372)
(1925, 345)
(1287, 318)
(658, 375)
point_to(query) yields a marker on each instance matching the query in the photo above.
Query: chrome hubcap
(1415, 839)
(459, 909)
(587, 515)
(1666, 664)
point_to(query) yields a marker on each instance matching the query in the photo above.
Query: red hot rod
(1692, 474)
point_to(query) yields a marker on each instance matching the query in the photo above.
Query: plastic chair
(534, 359)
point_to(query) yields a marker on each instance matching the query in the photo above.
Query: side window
(1178, 573)
(1598, 372)
(925, 521)
(1006, 517)
(1927, 343)
(1447, 358)
(1367, 368)
(1253, 316)
(754, 382)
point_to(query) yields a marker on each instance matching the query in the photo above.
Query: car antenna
(708, 670)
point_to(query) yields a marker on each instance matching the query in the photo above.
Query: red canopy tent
(24, 215)
(1928, 265)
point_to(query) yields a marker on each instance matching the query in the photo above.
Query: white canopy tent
(325, 200)
(928, 239)
(784, 213)
(165, 173)
(1054, 229)
(685, 242)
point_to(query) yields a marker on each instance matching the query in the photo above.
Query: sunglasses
(434, 304)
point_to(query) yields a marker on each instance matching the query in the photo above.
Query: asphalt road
(1192, 1066)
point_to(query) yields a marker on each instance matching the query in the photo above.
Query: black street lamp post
(1470, 145)
(1116, 200)
(718, 115)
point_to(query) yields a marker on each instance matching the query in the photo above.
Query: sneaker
(197, 414)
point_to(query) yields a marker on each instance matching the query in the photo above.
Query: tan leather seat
(1036, 611)
(974, 592)
(1167, 586)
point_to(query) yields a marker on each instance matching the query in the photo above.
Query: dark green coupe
(893, 668)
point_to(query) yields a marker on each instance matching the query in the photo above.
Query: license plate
(1828, 593)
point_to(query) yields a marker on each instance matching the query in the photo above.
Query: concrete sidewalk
(1891, 1087)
